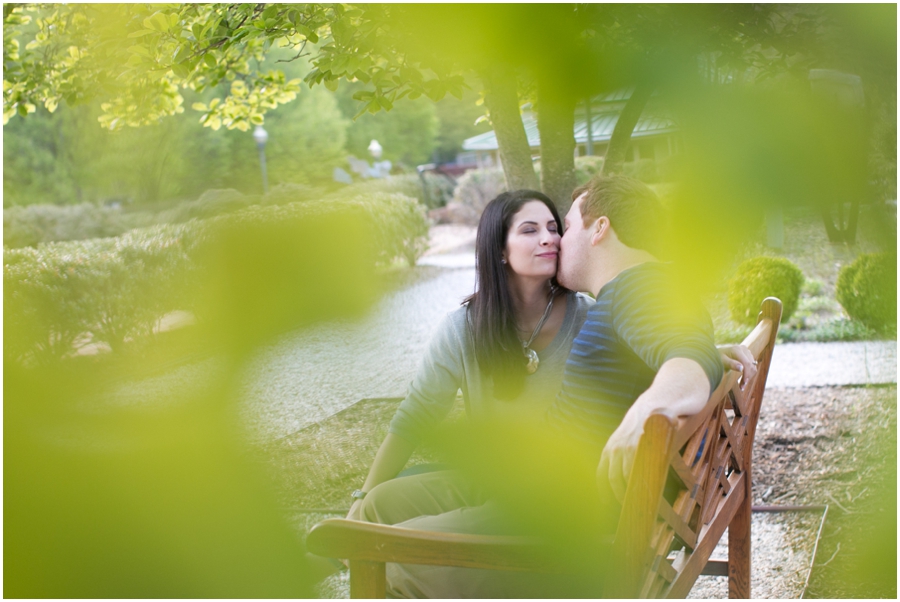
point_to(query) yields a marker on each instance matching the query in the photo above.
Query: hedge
(118, 288)
(32, 224)
(114, 288)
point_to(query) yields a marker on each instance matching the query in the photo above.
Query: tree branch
(628, 118)
(299, 54)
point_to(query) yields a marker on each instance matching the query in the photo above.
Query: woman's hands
(391, 458)
(355, 510)
(738, 357)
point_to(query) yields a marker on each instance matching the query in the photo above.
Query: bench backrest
(708, 457)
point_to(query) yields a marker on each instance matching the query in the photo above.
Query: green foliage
(210, 204)
(407, 134)
(478, 187)
(644, 170)
(307, 139)
(813, 288)
(761, 277)
(587, 167)
(33, 224)
(458, 121)
(867, 290)
(116, 289)
(399, 222)
(282, 194)
(76, 54)
(883, 156)
(65, 158)
(405, 184)
(439, 190)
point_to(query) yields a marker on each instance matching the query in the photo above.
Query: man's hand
(739, 358)
(679, 389)
(618, 456)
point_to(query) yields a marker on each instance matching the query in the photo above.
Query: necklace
(530, 354)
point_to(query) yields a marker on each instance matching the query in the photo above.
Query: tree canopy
(553, 55)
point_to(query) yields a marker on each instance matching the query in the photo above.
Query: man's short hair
(633, 209)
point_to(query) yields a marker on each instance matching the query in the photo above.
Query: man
(634, 356)
(643, 349)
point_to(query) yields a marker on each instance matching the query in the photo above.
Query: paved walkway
(834, 364)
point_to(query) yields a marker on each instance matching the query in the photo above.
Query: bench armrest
(357, 540)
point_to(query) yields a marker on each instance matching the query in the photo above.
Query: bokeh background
(181, 180)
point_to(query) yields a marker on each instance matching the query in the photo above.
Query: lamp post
(262, 136)
(375, 149)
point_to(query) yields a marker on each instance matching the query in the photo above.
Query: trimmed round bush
(759, 278)
(478, 187)
(867, 290)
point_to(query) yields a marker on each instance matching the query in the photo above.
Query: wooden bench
(660, 548)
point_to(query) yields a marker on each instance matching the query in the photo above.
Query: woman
(506, 349)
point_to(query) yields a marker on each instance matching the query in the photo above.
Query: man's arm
(681, 387)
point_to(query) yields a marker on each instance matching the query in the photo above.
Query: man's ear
(600, 230)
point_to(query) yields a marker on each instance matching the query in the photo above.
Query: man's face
(574, 251)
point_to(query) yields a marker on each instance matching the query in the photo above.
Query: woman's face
(532, 244)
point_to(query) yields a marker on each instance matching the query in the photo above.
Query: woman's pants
(444, 501)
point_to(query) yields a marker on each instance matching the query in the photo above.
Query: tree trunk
(618, 143)
(840, 227)
(556, 123)
(502, 99)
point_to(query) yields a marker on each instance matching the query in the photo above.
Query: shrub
(587, 167)
(114, 288)
(33, 224)
(210, 204)
(282, 194)
(759, 278)
(477, 187)
(439, 190)
(644, 170)
(400, 224)
(867, 290)
(405, 184)
(117, 289)
(25, 226)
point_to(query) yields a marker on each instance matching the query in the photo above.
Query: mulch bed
(836, 446)
(818, 445)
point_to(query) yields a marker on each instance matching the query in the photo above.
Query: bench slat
(709, 538)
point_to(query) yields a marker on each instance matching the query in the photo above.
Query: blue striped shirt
(635, 326)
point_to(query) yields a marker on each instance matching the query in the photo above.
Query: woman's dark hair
(491, 315)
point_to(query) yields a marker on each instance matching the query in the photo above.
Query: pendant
(533, 360)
